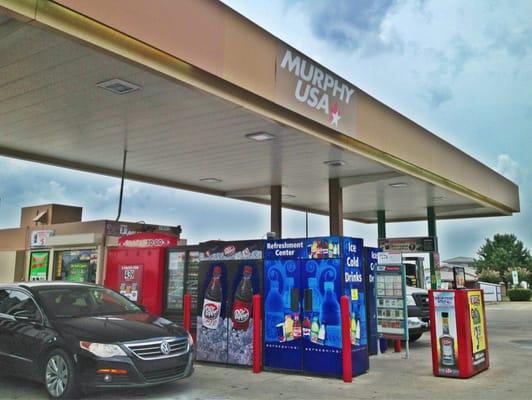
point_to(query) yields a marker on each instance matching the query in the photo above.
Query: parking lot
(390, 376)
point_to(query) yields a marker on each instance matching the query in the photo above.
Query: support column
(431, 220)
(336, 208)
(276, 211)
(381, 224)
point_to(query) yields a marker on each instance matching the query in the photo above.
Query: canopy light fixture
(438, 198)
(260, 136)
(210, 180)
(289, 196)
(399, 184)
(118, 86)
(335, 163)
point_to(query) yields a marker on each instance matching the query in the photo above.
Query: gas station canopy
(202, 99)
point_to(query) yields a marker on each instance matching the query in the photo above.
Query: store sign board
(389, 257)
(39, 266)
(38, 238)
(148, 240)
(315, 92)
(409, 244)
(130, 281)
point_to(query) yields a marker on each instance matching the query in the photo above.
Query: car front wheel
(59, 375)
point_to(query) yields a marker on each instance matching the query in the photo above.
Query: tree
(502, 254)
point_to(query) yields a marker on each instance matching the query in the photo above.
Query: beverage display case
(303, 282)
(181, 276)
(230, 273)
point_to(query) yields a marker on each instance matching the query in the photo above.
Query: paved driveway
(390, 376)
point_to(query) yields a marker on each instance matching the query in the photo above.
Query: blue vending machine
(370, 264)
(282, 288)
(304, 279)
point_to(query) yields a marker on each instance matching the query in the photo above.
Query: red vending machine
(136, 268)
(458, 332)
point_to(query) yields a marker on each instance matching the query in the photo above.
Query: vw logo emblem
(165, 348)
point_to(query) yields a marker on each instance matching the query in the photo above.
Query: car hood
(117, 328)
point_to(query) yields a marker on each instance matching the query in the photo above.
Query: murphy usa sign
(315, 92)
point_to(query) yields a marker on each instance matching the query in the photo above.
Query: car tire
(59, 375)
(414, 337)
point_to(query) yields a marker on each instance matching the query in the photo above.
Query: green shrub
(519, 294)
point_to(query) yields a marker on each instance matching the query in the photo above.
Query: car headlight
(410, 301)
(102, 350)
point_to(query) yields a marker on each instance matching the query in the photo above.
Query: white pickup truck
(417, 300)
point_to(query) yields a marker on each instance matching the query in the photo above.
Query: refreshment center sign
(304, 86)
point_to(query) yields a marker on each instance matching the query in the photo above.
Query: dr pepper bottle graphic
(212, 303)
(241, 311)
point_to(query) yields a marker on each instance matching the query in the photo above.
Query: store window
(76, 265)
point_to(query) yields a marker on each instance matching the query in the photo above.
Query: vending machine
(370, 264)
(181, 276)
(136, 268)
(303, 282)
(458, 332)
(230, 273)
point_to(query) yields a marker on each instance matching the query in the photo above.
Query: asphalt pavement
(390, 376)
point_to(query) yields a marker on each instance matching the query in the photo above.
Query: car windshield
(84, 301)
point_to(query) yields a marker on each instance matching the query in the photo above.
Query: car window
(83, 301)
(4, 304)
(19, 305)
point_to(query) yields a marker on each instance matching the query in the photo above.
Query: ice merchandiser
(370, 264)
(230, 273)
(181, 276)
(303, 282)
(458, 332)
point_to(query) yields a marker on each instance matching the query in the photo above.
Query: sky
(463, 70)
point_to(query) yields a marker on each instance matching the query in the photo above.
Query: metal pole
(306, 224)
(431, 220)
(122, 185)
(381, 224)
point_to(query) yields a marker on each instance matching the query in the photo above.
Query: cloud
(354, 25)
(516, 41)
(437, 95)
(507, 167)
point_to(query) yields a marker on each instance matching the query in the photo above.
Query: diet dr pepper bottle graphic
(241, 311)
(212, 303)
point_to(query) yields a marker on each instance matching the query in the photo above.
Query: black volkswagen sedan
(73, 336)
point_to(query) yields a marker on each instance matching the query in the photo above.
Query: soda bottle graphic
(353, 330)
(306, 327)
(330, 316)
(447, 356)
(212, 303)
(297, 326)
(288, 328)
(273, 310)
(316, 296)
(314, 330)
(321, 334)
(241, 311)
(287, 295)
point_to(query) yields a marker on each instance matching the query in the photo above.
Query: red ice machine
(136, 269)
(458, 332)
